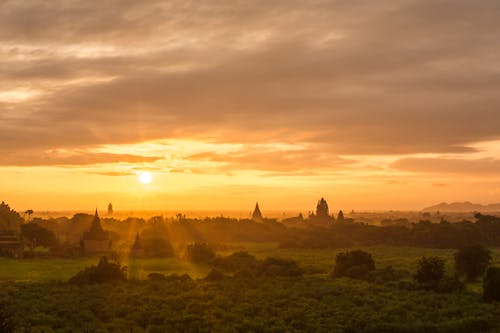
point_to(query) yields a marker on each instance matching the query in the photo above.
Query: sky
(372, 104)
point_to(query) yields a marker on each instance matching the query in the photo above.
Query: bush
(214, 275)
(354, 264)
(491, 285)
(200, 253)
(6, 323)
(104, 272)
(430, 270)
(449, 284)
(236, 262)
(168, 278)
(279, 267)
(472, 261)
(157, 247)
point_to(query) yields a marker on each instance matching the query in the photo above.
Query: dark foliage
(214, 275)
(9, 219)
(157, 247)
(354, 264)
(491, 285)
(169, 278)
(104, 272)
(200, 253)
(6, 324)
(38, 236)
(430, 270)
(236, 262)
(278, 267)
(262, 304)
(472, 261)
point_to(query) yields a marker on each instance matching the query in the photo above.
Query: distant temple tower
(137, 250)
(257, 215)
(110, 209)
(96, 240)
(322, 210)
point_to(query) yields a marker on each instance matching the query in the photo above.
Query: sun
(145, 177)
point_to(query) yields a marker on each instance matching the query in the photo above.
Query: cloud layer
(344, 78)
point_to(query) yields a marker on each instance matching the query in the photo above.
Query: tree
(104, 272)
(38, 236)
(157, 247)
(491, 285)
(200, 252)
(472, 261)
(430, 270)
(353, 264)
(29, 212)
(10, 220)
(279, 267)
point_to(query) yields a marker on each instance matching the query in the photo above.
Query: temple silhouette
(257, 214)
(137, 250)
(96, 240)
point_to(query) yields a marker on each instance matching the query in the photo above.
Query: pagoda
(257, 215)
(137, 250)
(96, 240)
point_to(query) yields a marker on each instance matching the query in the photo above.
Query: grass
(319, 261)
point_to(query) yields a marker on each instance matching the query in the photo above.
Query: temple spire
(257, 215)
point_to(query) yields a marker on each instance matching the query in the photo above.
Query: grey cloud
(483, 166)
(35, 158)
(358, 77)
(290, 161)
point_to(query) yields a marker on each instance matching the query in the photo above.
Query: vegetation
(199, 253)
(104, 272)
(472, 261)
(491, 285)
(354, 264)
(157, 248)
(265, 304)
(255, 285)
(430, 270)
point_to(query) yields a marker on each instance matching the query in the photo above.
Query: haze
(373, 105)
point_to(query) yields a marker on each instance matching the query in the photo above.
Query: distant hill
(465, 206)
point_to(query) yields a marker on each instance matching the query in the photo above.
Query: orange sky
(374, 105)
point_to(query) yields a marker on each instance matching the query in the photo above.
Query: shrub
(279, 267)
(491, 285)
(104, 272)
(430, 270)
(172, 277)
(236, 262)
(449, 284)
(472, 261)
(6, 322)
(157, 247)
(214, 275)
(354, 264)
(200, 253)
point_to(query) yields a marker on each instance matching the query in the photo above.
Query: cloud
(285, 161)
(483, 166)
(77, 158)
(358, 77)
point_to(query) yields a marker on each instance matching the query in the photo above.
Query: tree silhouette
(29, 212)
(472, 261)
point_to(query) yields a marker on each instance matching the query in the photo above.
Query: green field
(32, 301)
(315, 261)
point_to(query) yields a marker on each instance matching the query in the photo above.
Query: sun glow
(145, 177)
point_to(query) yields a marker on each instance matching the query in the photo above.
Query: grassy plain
(315, 261)
(31, 301)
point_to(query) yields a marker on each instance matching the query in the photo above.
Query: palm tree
(29, 212)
